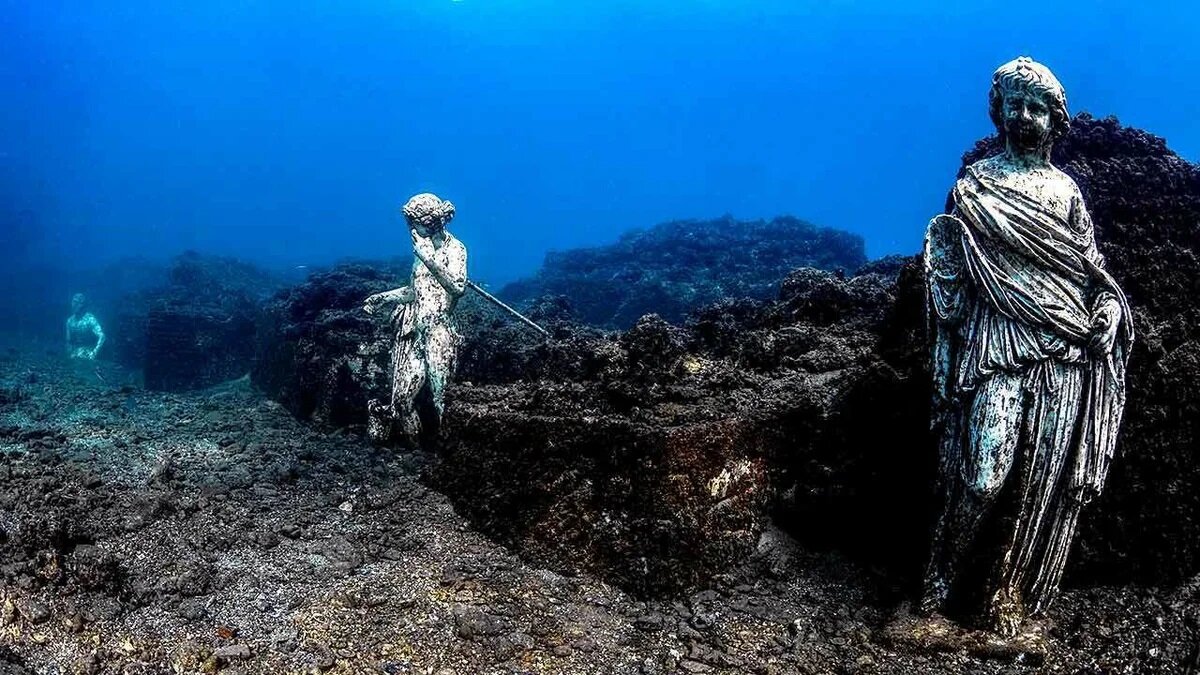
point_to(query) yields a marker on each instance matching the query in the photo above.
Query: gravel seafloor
(143, 532)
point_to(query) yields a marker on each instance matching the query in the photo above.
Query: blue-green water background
(288, 132)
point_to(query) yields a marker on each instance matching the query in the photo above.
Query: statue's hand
(374, 302)
(1085, 494)
(944, 255)
(422, 246)
(1105, 321)
(401, 296)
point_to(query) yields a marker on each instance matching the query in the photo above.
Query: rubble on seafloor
(210, 531)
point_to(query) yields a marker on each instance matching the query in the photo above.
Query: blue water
(289, 132)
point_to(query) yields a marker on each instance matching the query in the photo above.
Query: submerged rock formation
(649, 457)
(309, 353)
(824, 392)
(654, 457)
(1145, 201)
(676, 267)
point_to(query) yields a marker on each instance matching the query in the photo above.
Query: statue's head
(428, 214)
(1028, 105)
(78, 303)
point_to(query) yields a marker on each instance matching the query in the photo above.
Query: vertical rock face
(677, 267)
(318, 353)
(191, 348)
(646, 506)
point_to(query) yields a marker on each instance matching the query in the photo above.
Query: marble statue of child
(1031, 336)
(426, 339)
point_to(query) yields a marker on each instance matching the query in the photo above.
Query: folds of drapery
(1035, 268)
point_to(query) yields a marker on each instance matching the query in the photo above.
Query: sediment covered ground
(145, 532)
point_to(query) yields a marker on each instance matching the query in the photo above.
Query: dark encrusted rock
(677, 267)
(888, 266)
(194, 347)
(641, 502)
(318, 353)
(1145, 201)
(652, 457)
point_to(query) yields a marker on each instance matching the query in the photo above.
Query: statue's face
(1026, 119)
(77, 303)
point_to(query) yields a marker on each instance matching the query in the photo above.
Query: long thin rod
(500, 303)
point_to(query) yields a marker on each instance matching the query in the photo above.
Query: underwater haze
(288, 133)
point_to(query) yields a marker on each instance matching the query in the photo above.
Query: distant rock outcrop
(676, 267)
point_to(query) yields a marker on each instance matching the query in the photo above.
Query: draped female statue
(1030, 341)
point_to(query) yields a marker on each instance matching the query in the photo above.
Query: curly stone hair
(429, 210)
(1025, 74)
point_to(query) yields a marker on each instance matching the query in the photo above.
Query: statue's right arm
(402, 296)
(97, 331)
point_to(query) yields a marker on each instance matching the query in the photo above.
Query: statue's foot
(379, 422)
(410, 426)
(933, 599)
(1007, 613)
(935, 634)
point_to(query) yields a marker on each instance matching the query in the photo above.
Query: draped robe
(1016, 295)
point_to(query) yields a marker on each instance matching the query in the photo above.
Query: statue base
(924, 635)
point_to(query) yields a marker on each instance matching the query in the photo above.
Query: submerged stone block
(649, 508)
(189, 348)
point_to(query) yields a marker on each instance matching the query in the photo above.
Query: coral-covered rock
(318, 353)
(674, 268)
